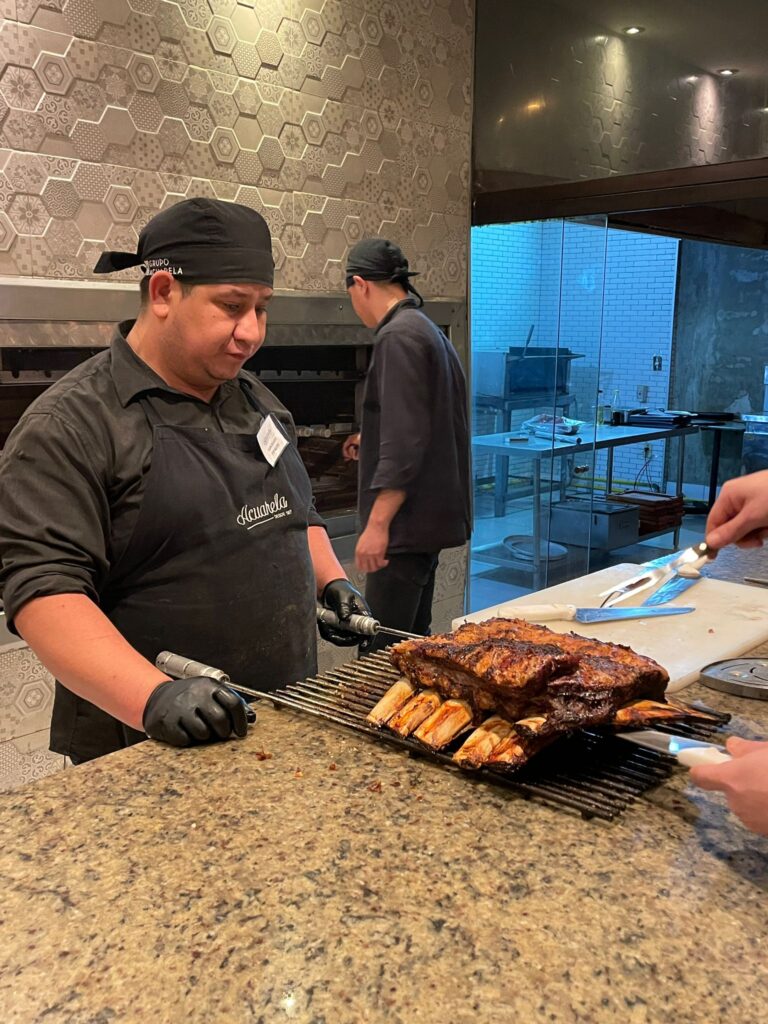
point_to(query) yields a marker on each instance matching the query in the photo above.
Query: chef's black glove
(185, 712)
(342, 598)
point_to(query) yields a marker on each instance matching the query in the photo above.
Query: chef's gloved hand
(342, 598)
(185, 712)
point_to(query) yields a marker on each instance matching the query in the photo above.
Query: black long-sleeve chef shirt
(72, 473)
(415, 434)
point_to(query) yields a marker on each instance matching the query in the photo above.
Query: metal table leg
(538, 577)
(714, 467)
(609, 472)
(679, 480)
(500, 479)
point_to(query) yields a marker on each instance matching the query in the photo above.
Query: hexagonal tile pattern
(313, 26)
(291, 37)
(314, 129)
(61, 198)
(344, 117)
(269, 49)
(371, 29)
(246, 24)
(247, 98)
(90, 182)
(173, 98)
(270, 119)
(144, 73)
(25, 173)
(145, 113)
(222, 35)
(248, 132)
(20, 87)
(117, 126)
(224, 145)
(63, 237)
(292, 141)
(28, 215)
(53, 73)
(88, 140)
(223, 109)
(7, 232)
(121, 203)
(271, 154)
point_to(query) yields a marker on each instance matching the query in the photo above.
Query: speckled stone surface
(337, 881)
(340, 881)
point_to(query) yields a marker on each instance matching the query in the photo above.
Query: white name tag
(271, 440)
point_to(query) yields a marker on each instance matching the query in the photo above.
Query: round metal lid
(743, 677)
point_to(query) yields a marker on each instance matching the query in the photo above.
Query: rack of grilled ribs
(521, 686)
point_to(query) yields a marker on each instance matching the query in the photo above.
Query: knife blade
(689, 752)
(569, 612)
(671, 589)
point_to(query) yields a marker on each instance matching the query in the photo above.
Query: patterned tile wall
(339, 119)
(336, 119)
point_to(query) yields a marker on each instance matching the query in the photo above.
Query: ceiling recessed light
(728, 72)
(633, 30)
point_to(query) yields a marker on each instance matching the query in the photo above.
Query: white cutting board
(730, 619)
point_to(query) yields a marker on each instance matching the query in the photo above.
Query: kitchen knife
(688, 752)
(568, 612)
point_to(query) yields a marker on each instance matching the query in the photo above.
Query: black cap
(202, 241)
(378, 259)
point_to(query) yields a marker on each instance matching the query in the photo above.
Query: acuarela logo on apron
(256, 515)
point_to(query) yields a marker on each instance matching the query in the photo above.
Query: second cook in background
(413, 447)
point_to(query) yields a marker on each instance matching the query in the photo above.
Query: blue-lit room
(651, 344)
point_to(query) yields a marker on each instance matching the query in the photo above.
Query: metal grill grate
(595, 774)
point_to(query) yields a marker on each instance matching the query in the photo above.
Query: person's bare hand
(351, 448)
(740, 514)
(744, 780)
(371, 550)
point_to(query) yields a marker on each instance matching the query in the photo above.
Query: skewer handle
(179, 667)
(365, 625)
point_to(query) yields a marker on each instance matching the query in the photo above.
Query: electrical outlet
(657, 362)
(647, 452)
(642, 393)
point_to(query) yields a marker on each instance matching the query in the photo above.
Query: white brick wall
(606, 294)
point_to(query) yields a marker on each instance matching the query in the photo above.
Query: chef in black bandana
(154, 499)
(413, 448)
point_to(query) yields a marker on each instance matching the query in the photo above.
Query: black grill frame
(591, 772)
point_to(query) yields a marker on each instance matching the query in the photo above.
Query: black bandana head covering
(378, 259)
(202, 241)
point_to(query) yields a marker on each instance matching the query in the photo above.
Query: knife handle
(693, 756)
(544, 612)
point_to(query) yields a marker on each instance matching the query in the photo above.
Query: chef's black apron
(217, 569)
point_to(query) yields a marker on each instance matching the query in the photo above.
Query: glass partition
(572, 331)
(536, 327)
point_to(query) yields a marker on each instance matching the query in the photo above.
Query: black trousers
(400, 594)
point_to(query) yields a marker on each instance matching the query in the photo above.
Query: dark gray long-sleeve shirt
(415, 434)
(72, 472)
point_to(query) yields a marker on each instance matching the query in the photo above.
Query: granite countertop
(307, 874)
